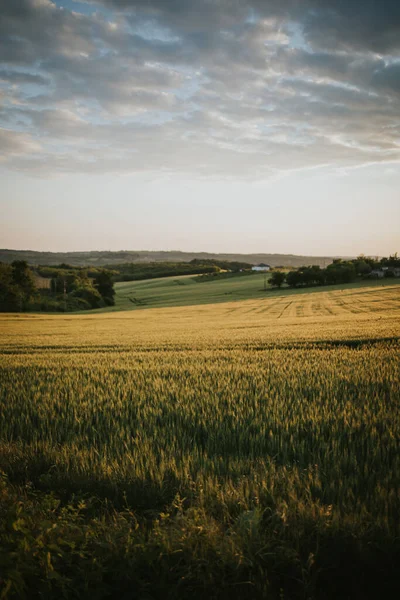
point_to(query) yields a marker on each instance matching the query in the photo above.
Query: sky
(200, 125)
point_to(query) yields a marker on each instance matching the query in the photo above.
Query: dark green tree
(23, 278)
(104, 284)
(294, 278)
(90, 295)
(277, 279)
(340, 272)
(362, 266)
(392, 261)
(11, 297)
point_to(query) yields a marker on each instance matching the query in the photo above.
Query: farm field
(186, 291)
(243, 449)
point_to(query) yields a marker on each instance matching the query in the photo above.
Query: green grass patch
(186, 291)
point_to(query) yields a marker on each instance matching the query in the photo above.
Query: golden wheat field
(253, 443)
(354, 314)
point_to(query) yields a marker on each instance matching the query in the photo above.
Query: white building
(261, 267)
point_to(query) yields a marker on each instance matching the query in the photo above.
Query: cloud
(18, 77)
(215, 87)
(368, 25)
(14, 143)
(371, 25)
(388, 78)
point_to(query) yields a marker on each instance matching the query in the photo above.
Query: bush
(90, 295)
(45, 304)
(76, 303)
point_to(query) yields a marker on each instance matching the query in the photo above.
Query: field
(243, 449)
(187, 291)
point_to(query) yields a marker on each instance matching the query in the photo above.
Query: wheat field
(362, 313)
(244, 449)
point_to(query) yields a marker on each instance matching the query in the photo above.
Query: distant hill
(100, 258)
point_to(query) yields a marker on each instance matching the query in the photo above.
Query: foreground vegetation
(238, 450)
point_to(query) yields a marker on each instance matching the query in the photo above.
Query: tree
(362, 266)
(104, 284)
(294, 278)
(392, 261)
(23, 279)
(313, 275)
(277, 279)
(90, 295)
(340, 272)
(11, 297)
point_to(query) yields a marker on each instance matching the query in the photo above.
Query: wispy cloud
(219, 88)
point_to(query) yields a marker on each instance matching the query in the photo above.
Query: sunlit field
(235, 450)
(191, 290)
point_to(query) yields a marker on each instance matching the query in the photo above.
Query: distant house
(261, 267)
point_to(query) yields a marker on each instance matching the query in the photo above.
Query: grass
(233, 450)
(186, 291)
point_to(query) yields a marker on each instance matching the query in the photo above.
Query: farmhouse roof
(262, 265)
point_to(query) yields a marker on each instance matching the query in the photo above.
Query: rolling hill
(101, 258)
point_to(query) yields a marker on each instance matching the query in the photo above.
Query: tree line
(70, 288)
(339, 271)
(153, 270)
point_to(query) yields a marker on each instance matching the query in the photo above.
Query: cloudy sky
(219, 125)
